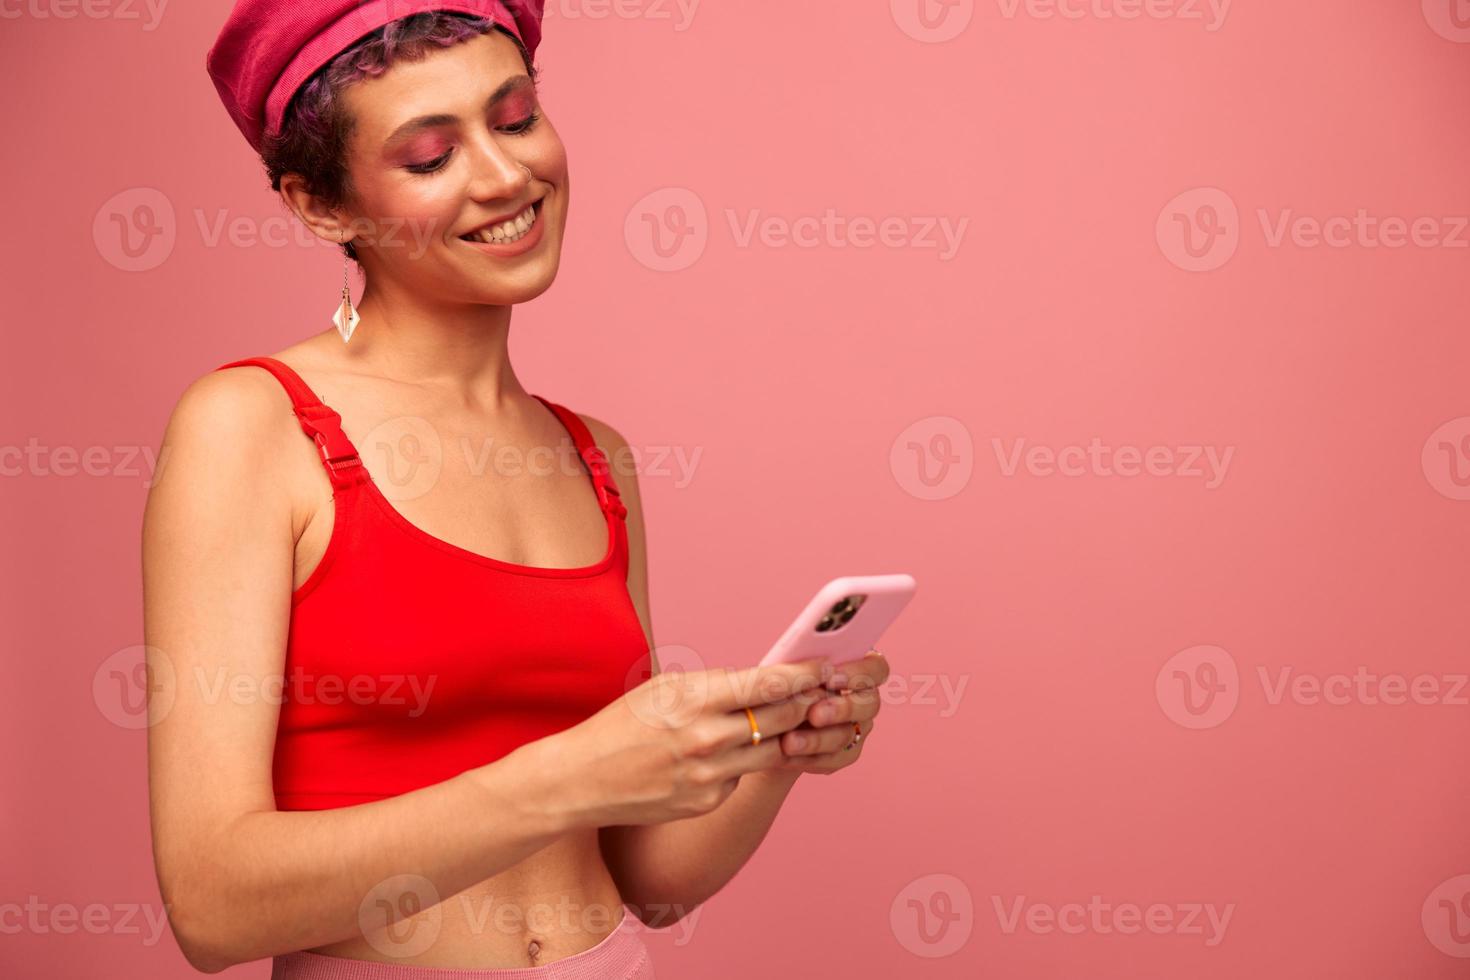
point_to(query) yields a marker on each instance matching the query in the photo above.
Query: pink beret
(269, 48)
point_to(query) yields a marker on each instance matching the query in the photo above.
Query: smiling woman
(471, 760)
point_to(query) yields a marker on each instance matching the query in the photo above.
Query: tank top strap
(596, 460)
(322, 424)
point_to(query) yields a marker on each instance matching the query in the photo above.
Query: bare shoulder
(231, 428)
(245, 402)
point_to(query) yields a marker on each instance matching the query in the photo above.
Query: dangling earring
(346, 317)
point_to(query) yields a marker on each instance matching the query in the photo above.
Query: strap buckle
(607, 494)
(325, 430)
(612, 500)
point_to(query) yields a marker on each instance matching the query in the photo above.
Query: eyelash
(435, 165)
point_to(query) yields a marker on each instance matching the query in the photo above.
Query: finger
(822, 741)
(857, 706)
(870, 670)
(771, 720)
(768, 684)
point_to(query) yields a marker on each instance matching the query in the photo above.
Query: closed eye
(440, 162)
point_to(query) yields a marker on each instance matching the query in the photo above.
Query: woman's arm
(241, 881)
(666, 870)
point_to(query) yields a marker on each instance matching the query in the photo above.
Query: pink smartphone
(845, 619)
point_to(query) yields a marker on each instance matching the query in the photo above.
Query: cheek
(410, 208)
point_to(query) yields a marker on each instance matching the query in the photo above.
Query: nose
(497, 173)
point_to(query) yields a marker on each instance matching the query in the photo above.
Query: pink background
(831, 390)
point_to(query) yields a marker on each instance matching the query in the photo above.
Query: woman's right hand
(676, 745)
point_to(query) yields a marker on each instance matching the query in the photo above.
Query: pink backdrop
(1136, 334)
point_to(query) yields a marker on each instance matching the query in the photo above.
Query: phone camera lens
(826, 624)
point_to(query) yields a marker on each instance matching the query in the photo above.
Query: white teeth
(508, 231)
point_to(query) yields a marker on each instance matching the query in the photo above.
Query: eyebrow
(421, 123)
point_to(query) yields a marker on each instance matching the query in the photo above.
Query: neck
(459, 348)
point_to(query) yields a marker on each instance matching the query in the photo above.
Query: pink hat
(269, 48)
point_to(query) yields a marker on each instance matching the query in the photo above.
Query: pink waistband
(620, 955)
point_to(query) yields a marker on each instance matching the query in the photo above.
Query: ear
(325, 223)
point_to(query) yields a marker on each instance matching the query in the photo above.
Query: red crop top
(410, 660)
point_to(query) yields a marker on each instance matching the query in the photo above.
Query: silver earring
(346, 317)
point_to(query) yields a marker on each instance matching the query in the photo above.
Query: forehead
(455, 80)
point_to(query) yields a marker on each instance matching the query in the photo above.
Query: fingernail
(826, 670)
(837, 680)
(798, 742)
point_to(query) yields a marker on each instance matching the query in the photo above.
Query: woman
(379, 743)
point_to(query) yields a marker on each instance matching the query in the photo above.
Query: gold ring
(755, 732)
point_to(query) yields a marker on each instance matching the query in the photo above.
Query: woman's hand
(835, 728)
(676, 745)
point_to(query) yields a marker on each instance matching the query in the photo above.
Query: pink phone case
(827, 629)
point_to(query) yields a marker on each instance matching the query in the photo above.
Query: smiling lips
(505, 232)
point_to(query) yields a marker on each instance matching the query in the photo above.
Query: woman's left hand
(837, 726)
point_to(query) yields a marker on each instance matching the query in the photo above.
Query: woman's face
(440, 149)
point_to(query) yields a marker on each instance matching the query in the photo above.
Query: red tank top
(410, 660)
